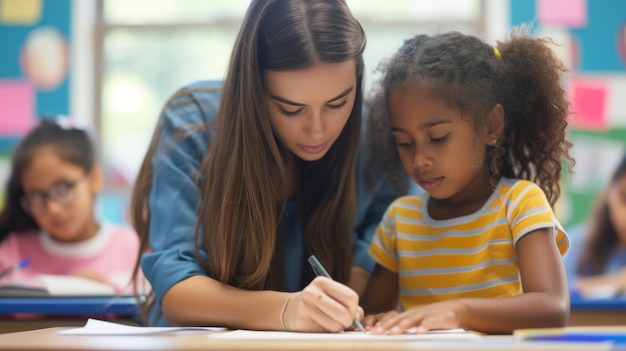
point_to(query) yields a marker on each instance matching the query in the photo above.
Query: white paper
(68, 285)
(98, 327)
(55, 285)
(347, 336)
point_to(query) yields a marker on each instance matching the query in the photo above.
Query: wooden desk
(596, 317)
(64, 311)
(48, 340)
(12, 326)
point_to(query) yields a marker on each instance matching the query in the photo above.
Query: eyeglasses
(62, 192)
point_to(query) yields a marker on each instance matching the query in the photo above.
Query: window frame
(102, 28)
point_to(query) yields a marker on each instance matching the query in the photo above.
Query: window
(147, 49)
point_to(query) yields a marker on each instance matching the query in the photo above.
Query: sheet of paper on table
(451, 334)
(98, 327)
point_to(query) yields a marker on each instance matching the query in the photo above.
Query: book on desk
(65, 295)
(55, 285)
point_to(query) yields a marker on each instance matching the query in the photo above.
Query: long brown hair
(241, 177)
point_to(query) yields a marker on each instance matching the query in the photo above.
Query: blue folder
(617, 303)
(120, 305)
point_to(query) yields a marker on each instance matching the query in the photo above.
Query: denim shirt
(182, 144)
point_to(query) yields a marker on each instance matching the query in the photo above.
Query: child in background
(48, 216)
(482, 131)
(597, 262)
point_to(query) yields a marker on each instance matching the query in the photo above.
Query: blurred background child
(48, 216)
(596, 264)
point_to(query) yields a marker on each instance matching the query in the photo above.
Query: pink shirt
(111, 253)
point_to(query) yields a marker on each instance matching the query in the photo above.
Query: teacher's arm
(373, 201)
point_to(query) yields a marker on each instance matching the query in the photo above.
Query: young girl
(246, 179)
(599, 256)
(48, 216)
(482, 131)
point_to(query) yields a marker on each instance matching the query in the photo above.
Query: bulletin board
(35, 39)
(597, 154)
(591, 38)
(34, 64)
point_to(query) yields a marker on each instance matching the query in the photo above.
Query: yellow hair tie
(497, 53)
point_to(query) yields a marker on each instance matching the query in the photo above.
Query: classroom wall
(35, 41)
(46, 69)
(34, 64)
(592, 41)
(590, 34)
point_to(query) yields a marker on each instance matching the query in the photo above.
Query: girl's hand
(371, 320)
(93, 275)
(323, 306)
(441, 315)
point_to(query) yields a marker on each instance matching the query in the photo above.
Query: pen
(320, 270)
(16, 267)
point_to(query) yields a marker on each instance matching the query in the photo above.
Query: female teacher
(244, 180)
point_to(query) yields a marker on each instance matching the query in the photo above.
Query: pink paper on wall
(589, 99)
(567, 13)
(17, 106)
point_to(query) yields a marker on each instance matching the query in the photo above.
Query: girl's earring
(495, 141)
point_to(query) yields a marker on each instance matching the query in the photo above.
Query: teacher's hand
(322, 306)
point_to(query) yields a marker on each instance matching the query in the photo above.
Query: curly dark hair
(522, 74)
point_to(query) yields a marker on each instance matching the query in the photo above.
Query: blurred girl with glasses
(48, 214)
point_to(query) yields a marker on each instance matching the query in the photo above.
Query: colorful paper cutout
(596, 159)
(44, 58)
(20, 12)
(589, 100)
(568, 13)
(17, 106)
(616, 104)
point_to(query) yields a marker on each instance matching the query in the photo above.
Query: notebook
(55, 285)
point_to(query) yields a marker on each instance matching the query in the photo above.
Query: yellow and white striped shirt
(468, 256)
